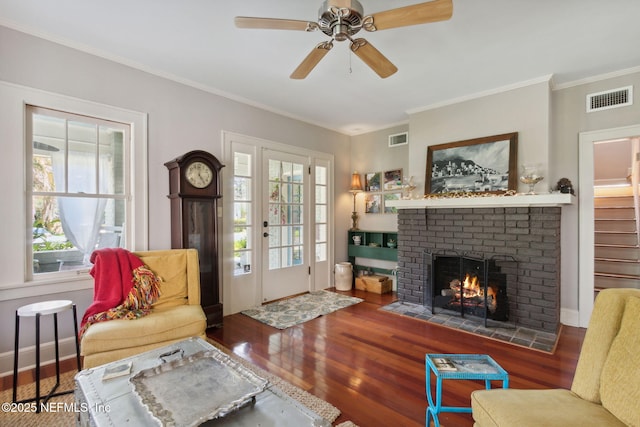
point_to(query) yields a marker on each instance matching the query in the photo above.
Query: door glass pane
(274, 237)
(286, 188)
(242, 164)
(321, 233)
(242, 188)
(297, 235)
(274, 191)
(286, 193)
(321, 213)
(321, 194)
(321, 252)
(241, 213)
(287, 171)
(321, 175)
(296, 196)
(274, 259)
(274, 170)
(275, 214)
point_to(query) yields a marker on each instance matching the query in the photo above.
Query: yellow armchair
(605, 389)
(176, 315)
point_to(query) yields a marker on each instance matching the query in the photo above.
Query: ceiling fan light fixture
(340, 19)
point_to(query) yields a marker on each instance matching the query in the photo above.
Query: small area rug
(289, 312)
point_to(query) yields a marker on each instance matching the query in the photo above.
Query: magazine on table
(444, 364)
(473, 365)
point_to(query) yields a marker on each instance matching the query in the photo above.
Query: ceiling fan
(342, 19)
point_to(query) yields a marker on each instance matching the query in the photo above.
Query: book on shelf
(444, 364)
(116, 371)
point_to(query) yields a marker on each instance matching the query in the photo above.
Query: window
(321, 213)
(78, 189)
(242, 213)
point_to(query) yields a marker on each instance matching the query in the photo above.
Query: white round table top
(44, 307)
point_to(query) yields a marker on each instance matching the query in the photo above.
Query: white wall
(180, 119)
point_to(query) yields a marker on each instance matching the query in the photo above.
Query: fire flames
(470, 289)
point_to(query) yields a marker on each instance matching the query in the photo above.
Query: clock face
(199, 174)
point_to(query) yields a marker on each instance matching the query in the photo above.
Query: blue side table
(459, 367)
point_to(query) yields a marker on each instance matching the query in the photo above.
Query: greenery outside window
(242, 213)
(78, 196)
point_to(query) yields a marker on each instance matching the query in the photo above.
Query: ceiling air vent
(615, 98)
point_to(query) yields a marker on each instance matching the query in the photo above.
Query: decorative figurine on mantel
(565, 186)
(530, 176)
(407, 188)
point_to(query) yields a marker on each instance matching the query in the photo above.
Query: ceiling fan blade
(422, 13)
(373, 58)
(274, 24)
(311, 60)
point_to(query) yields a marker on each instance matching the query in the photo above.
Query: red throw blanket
(124, 287)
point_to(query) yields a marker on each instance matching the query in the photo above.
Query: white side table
(37, 310)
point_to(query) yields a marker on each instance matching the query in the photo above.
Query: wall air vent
(615, 98)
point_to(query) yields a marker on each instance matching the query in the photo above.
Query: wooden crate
(375, 284)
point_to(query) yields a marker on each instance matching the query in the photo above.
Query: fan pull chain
(350, 56)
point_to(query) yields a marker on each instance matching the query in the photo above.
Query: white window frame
(14, 99)
(62, 190)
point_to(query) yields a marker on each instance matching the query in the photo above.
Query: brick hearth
(529, 234)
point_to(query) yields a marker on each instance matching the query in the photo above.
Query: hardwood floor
(370, 363)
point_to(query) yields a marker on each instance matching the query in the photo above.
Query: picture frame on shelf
(372, 182)
(480, 165)
(388, 197)
(393, 180)
(373, 203)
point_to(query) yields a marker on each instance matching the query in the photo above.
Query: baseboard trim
(27, 359)
(570, 317)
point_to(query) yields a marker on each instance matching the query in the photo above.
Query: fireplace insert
(467, 284)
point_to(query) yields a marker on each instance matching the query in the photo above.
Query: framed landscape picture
(481, 165)
(393, 180)
(373, 203)
(372, 181)
(391, 196)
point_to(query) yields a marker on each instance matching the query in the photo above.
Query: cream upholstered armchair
(177, 314)
(605, 389)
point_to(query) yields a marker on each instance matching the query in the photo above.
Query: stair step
(615, 225)
(605, 281)
(613, 201)
(617, 252)
(616, 266)
(625, 238)
(614, 213)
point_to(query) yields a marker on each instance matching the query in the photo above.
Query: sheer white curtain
(81, 217)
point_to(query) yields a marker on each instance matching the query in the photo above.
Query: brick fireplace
(530, 234)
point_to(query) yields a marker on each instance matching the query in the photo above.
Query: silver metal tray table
(113, 402)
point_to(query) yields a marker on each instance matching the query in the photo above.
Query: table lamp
(356, 187)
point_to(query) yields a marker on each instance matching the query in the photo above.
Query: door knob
(265, 234)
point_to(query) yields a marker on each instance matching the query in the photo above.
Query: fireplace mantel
(520, 200)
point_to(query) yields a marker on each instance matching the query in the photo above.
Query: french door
(285, 229)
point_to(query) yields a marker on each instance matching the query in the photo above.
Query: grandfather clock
(194, 191)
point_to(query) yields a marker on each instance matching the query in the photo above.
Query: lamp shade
(356, 184)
